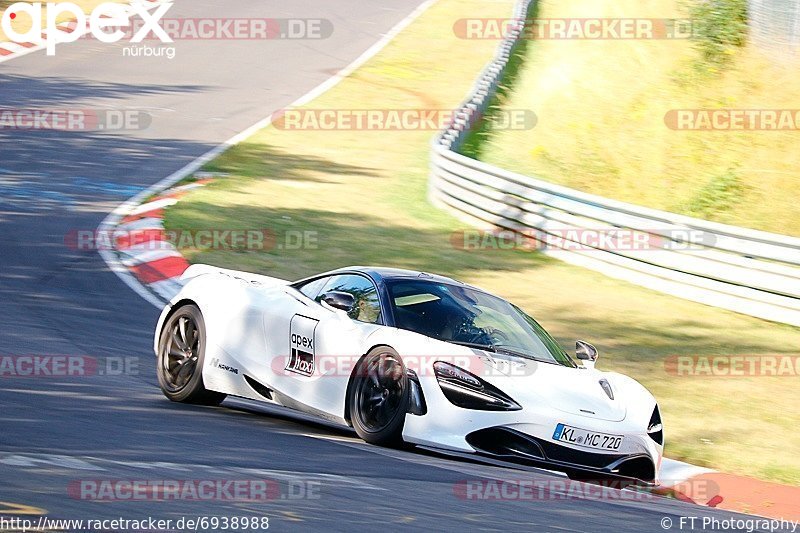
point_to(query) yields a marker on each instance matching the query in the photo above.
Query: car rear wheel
(378, 399)
(181, 352)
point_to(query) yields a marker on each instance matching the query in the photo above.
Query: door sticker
(301, 345)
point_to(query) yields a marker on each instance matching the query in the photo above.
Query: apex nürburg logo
(105, 22)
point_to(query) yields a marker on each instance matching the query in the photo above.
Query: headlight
(655, 428)
(469, 391)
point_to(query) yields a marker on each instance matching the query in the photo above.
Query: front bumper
(511, 445)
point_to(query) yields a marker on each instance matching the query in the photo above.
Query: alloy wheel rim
(180, 353)
(380, 394)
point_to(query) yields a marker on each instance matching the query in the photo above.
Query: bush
(721, 193)
(719, 27)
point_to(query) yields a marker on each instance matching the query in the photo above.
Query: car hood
(537, 385)
(577, 391)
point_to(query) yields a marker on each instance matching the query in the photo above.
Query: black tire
(378, 398)
(181, 352)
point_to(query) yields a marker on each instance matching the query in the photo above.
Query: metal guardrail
(775, 25)
(748, 271)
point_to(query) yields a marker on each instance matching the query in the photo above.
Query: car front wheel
(379, 397)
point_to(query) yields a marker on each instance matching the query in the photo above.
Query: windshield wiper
(502, 349)
(478, 345)
(509, 351)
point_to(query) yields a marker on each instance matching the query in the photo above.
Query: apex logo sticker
(301, 345)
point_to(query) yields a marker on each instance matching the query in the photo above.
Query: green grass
(601, 107)
(717, 196)
(720, 27)
(364, 194)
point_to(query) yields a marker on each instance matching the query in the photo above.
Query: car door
(315, 347)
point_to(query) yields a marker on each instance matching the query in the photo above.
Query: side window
(311, 288)
(368, 307)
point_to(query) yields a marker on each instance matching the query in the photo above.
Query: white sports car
(405, 356)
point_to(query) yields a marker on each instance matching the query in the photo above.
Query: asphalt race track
(55, 300)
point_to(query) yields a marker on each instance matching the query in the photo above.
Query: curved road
(54, 300)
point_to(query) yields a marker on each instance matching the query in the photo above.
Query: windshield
(462, 315)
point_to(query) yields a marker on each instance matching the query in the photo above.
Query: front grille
(554, 452)
(512, 445)
(505, 442)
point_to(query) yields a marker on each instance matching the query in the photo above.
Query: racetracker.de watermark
(733, 119)
(732, 366)
(163, 490)
(154, 239)
(233, 29)
(66, 366)
(76, 120)
(566, 29)
(581, 239)
(531, 489)
(394, 119)
(234, 522)
(302, 360)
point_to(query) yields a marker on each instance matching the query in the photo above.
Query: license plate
(587, 439)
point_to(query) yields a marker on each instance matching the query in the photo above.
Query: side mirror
(339, 300)
(586, 353)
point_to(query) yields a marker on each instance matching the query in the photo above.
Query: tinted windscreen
(461, 315)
